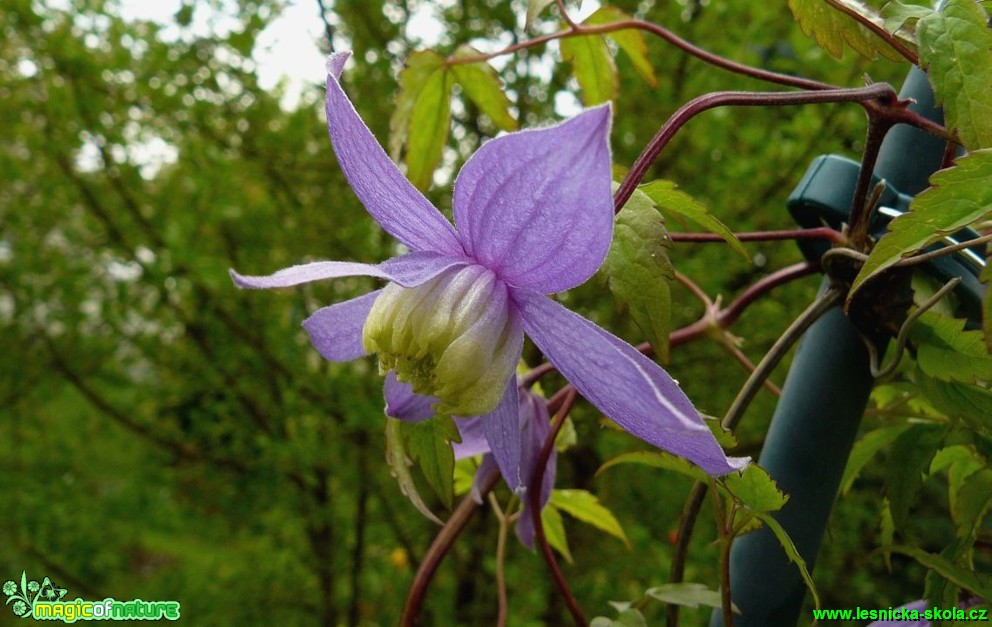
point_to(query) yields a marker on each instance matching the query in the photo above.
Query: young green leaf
(399, 465)
(887, 532)
(593, 67)
(629, 617)
(791, 552)
(418, 69)
(481, 84)
(429, 445)
(865, 449)
(959, 196)
(673, 201)
(755, 489)
(430, 122)
(955, 46)
(831, 28)
(962, 577)
(897, 15)
(639, 273)
(534, 8)
(631, 41)
(658, 459)
(686, 593)
(584, 506)
(554, 531)
(986, 277)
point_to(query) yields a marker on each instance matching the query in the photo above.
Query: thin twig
(439, 548)
(504, 527)
(821, 232)
(568, 396)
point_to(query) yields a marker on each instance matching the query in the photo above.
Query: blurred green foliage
(166, 436)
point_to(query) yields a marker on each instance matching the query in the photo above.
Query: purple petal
(624, 384)
(394, 203)
(306, 273)
(402, 403)
(473, 434)
(535, 206)
(336, 331)
(502, 427)
(409, 271)
(535, 426)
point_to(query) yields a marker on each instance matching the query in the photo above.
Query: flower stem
(439, 548)
(564, 400)
(822, 232)
(740, 99)
(504, 526)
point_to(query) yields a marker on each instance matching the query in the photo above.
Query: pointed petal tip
(335, 63)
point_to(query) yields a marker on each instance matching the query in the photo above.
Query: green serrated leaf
(658, 459)
(428, 444)
(631, 41)
(724, 437)
(593, 67)
(430, 122)
(865, 449)
(584, 506)
(481, 84)
(968, 403)
(958, 196)
(686, 593)
(791, 552)
(673, 201)
(831, 28)
(554, 531)
(965, 462)
(419, 67)
(980, 585)
(399, 464)
(972, 504)
(947, 352)
(955, 46)
(911, 455)
(896, 15)
(755, 488)
(639, 273)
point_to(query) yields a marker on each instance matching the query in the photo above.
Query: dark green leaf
(949, 353)
(972, 504)
(791, 552)
(639, 273)
(631, 41)
(482, 85)
(911, 454)
(593, 67)
(429, 446)
(658, 459)
(586, 507)
(976, 583)
(956, 50)
(672, 201)
(755, 489)
(399, 464)
(865, 449)
(430, 122)
(969, 403)
(831, 28)
(959, 196)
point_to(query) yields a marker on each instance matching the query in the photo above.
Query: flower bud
(455, 337)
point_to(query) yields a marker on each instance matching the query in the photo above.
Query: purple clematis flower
(534, 426)
(533, 215)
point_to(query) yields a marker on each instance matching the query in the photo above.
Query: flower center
(454, 337)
